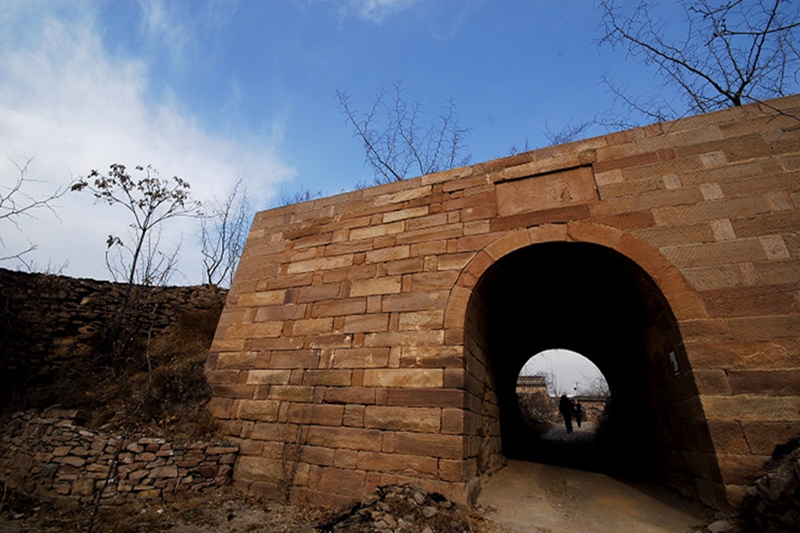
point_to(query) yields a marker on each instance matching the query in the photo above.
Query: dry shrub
(152, 386)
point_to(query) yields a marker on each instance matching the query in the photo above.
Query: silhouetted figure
(566, 408)
(578, 412)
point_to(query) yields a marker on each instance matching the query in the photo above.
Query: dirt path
(528, 497)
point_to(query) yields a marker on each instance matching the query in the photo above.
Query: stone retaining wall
(49, 454)
(48, 322)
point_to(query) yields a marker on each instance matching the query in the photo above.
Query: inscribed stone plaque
(559, 189)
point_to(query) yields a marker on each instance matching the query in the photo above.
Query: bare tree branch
(16, 202)
(223, 233)
(397, 143)
(728, 53)
(151, 201)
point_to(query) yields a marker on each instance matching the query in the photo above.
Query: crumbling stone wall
(47, 453)
(355, 347)
(47, 322)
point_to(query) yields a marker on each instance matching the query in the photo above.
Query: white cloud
(375, 10)
(65, 100)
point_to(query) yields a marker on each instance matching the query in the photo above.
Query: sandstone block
(749, 408)
(323, 263)
(426, 444)
(366, 323)
(353, 306)
(411, 465)
(258, 469)
(425, 420)
(262, 410)
(369, 357)
(312, 326)
(268, 377)
(368, 287)
(345, 437)
(404, 378)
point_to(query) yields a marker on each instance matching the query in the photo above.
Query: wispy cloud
(376, 11)
(67, 101)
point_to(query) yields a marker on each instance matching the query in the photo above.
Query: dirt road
(531, 497)
(528, 496)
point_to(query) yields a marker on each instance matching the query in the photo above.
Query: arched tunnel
(593, 300)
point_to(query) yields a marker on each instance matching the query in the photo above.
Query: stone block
(268, 377)
(350, 395)
(369, 287)
(349, 438)
(342, 482)
(751, 408)
(369, 357)
(765, 327)
(322, 263)
(315, 293)
(312, 326)
(404, 378)
(411, 465)
(416, 320)
(353, 306)
(262, 299)
(434, 281)
(261, 410)
(431, 445)
(741, 469)
(777, 382)
(764, 436)
(728, 437)
(328, 377)
(258, 469)
(425, 420)
(366, 323)
(712, 381)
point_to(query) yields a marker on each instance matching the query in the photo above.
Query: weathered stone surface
(375, 309)
(150, 468)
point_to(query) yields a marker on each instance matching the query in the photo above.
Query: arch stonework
(351, 352)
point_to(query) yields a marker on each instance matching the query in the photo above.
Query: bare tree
(595, 385)
(17, 202)
(570, 132)
(303, 195)
(150, 201)
(223, 233)
(397, 143)
(728, 53)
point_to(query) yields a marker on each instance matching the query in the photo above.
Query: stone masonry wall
(48, 454)
(47, 321)
(351, 353)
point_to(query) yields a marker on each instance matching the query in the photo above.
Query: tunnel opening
(597, 302)
(563, 400)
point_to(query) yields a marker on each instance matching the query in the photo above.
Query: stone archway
(355, 349)
(530, 292)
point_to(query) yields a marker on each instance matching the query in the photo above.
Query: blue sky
(214, 91)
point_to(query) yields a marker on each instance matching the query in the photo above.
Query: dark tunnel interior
(591, 300)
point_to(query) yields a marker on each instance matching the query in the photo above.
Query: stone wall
(47, 322)
(48, 454)
(375, 337)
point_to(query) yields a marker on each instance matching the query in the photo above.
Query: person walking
(566, 408)
(578, 412)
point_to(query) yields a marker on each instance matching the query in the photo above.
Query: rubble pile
(772, 504)
(406, 509)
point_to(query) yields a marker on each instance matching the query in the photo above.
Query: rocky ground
(401, 509)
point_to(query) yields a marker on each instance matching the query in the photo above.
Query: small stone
(720, 526)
